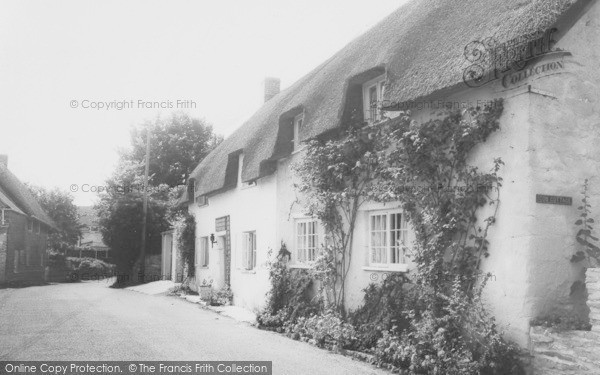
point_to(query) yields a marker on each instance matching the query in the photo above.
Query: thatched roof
(16, 196)
(420, 47)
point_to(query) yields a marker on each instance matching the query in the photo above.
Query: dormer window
(298, 120)
(373, 91)
(239, 171)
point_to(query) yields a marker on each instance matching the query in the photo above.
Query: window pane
(253, 250)
(205, 251)
(373, 94)
(379, 241)
(397, 235)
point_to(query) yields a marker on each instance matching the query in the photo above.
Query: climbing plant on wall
(336, 177)
(585, 237)
(185, 228)
(450, 204)
(425, 167)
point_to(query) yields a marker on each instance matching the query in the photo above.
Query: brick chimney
(4, 160)
(272, 87)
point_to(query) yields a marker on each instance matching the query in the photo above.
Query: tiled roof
(16, 192)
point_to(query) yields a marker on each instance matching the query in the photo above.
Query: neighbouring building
(24, 228)
(90, 242)
(242, 193)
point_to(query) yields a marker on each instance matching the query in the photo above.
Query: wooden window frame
(303, 255)
(389, 232)
(249, 253)
(379, 84)
(297, 123)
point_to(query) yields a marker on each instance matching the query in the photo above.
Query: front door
(219, 270)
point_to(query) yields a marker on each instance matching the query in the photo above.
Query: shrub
(186, 237)
(90, 268)
(221, 297)
(459, 338)
(290, 296)
(326, 330)
(382, 310)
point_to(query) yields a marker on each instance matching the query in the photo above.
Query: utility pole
(145, 208)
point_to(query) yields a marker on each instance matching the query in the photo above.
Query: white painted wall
(548, 145)
(249, 209)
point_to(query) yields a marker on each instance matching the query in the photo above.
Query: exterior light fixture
(212, 239)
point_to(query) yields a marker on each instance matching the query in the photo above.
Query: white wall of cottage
(549, 143)
(249, 209)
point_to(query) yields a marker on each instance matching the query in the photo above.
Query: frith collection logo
(544, 68)
(508, 61)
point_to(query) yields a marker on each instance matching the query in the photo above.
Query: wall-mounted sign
(541, 69)
(490, 59)
(553, 199)
(221, 224)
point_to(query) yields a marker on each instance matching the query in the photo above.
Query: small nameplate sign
(553, 199)
(221, 224)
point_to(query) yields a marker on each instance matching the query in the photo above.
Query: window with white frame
(201, 200)
(373, 91)
(298, 120)
(30, 225)
(203, 252)
(249, 250)
(307, 240)
(387, 238)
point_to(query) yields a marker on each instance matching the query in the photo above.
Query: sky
(66, 67)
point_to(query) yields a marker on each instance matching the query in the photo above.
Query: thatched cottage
(418, 58)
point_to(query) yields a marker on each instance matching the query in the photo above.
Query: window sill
(397, 268)
(249, 272)
(298, 150)
(301, 266)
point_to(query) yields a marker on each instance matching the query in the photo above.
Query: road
(89, 321)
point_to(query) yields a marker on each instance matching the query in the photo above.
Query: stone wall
(571, 352)
(152, 270)
(593, 287)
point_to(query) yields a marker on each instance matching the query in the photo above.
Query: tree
(178, 144)
(59, 206)
(121, 227)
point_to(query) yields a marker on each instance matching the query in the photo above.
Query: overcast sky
(58, 55)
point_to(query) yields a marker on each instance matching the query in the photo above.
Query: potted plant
(205, 289)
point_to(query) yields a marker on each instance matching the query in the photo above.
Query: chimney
(271, 87)
(4, 160)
